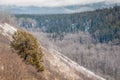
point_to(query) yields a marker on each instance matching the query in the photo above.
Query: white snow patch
(7, 30)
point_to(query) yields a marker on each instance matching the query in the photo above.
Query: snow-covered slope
(67, 68)
(7, 30)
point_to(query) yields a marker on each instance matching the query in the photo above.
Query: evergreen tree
(28, 48)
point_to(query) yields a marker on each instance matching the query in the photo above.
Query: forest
(102, 24)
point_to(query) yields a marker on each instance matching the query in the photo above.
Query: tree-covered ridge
(28, 48)
(103, 25)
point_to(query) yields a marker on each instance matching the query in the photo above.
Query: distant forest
(83, 37)
(103, 25)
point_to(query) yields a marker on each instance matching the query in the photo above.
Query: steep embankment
(12, 66)
(57, 66)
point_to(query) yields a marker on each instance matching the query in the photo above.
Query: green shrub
(28, 48)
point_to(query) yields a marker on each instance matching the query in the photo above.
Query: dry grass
(12, 66)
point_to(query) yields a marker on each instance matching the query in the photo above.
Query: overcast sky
(50, 3)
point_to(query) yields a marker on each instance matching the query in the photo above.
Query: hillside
(57, 66)
(12, 66)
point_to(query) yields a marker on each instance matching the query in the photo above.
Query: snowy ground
(7, 30)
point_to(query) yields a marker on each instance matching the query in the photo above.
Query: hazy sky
(49, 3)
